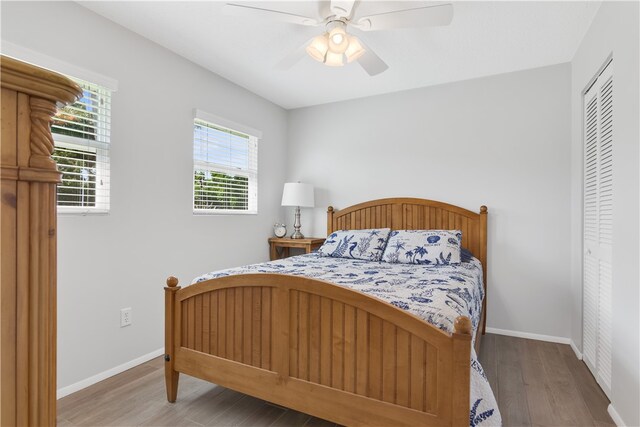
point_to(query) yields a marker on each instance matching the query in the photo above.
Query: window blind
(225, 170)
(81, 132)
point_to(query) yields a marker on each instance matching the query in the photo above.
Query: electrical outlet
(125, 317)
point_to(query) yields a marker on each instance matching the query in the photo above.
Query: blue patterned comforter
(436, 294)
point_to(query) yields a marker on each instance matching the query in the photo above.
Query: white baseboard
(65, 391)
(574, 347)
(528, 335)
(539, 337)
(615, 416)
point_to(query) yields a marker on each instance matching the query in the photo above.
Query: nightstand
(286, 243)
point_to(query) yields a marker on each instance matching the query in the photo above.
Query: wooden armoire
(30, 97)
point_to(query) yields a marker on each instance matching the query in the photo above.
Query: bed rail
(318, 348)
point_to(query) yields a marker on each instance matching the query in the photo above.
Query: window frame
(253, 139)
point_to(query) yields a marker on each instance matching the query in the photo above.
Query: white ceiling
(484, 38)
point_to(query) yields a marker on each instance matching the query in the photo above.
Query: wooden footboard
(318, 348)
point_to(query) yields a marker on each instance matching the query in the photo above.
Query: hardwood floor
(539, 383)
(536, 383)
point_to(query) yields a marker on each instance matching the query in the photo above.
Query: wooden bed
(324, 349)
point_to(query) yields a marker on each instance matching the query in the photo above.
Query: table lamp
(298, 195)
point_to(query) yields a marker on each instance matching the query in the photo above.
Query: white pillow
(431, 247)
(357, 244)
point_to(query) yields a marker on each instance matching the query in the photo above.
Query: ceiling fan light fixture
(336, 44)
(334, 59)
(355, 49)
(318, 47)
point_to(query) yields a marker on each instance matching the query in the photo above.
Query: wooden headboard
(416, 214)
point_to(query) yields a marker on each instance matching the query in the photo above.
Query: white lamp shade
(338, 40)
(333, 59)
(355, 49)
(298, 194)
(318, 47)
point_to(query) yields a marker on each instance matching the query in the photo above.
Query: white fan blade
(429, 16)
(273, 15)
(371, 62)
(294, 57)
(342, 8)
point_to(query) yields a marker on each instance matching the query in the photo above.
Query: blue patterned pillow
(432, 247)
(358, 244)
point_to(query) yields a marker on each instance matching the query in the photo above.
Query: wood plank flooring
(538, 383)
(535, 383)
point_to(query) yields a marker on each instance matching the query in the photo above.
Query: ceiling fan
(335, 44)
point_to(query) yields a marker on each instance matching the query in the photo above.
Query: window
(225, 169)
(81, 132)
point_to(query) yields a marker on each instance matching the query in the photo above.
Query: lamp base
(297, 235)
(296, 225)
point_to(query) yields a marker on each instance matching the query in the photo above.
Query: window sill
(207, 212)
(82, 212)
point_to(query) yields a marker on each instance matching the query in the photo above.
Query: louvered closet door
(598, 227)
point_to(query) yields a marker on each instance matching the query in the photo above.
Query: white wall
(123, 259)
(503, 141)
(613, 31)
